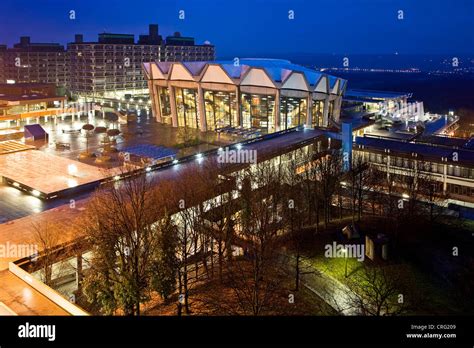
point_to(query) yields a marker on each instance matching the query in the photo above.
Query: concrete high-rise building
(107, 69)
(28, 62)
(183, 49)
(111, 68)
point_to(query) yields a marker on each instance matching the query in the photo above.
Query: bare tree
(361, 179)
(380, 291)
(329, 172)
(293, 209)
(255, 278)
(120, 224)
(46, 237)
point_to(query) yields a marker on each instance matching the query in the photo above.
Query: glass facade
(317, 113)
(292, 112)
(331, 110)
(220, 108)
(186, 107)
(164, 95)
(258, 112)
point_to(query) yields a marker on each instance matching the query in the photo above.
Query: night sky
(257, 27)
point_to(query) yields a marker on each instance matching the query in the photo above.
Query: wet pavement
(15, 204)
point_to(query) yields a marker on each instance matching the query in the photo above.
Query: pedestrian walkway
(329, 289)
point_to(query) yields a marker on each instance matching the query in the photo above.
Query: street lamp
(344, 250)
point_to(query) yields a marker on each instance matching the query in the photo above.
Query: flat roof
(357, 122)
(372, 95)
(9, 98)
(426, 151)
(27, 84)
(49, 174)
(439, 124)
(446, 141)
(400, 135)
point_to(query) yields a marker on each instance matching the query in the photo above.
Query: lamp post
(345, 255)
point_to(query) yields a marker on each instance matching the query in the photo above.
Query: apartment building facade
(109, 68)
(28, 62)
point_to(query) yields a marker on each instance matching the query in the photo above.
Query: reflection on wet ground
(15, 204)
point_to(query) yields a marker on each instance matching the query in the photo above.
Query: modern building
(183, 49)
(28, 62)
(111, 67)
(447, 161)
(391, 106)
(108, 69)
(260, 95)
(20, 103)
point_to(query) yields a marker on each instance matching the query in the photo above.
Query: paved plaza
(48, 174)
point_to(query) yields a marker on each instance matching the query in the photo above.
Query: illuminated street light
(344, 251)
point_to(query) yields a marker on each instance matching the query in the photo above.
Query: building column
(200, 109)
(78, 271)
(238, 115)
(326, 112)
(445, 175)
(277, 111)
(155, 100)
(337, 108)
(309, 110)
(388, 165)
(174, 114)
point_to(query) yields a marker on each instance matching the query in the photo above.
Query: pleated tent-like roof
(279, 71)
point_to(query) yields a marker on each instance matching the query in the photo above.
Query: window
(317, 112)
(292, 112)
(164, 96)
(331, 110)
(186, 107)
(258, 112)
(220, 109)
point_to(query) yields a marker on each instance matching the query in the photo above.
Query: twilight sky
(257, 27)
